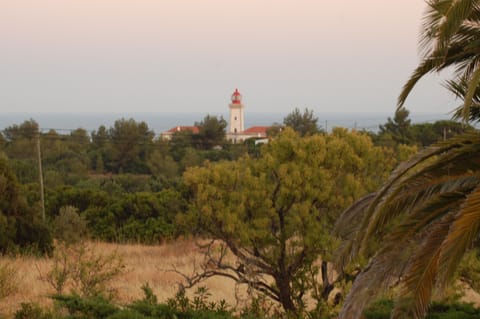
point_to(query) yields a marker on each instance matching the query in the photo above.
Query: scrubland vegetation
(264, 216)
(313, 224)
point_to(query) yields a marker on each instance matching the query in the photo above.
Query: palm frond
(413, 175)
(428, 65)
(380, 274)
(421, 274)
(347, 227)
(469, 96)
(463, 232)
(432, 19)
(457, 13)
(437, 208)
(447, 153)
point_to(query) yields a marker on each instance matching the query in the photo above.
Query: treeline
(126, 147)
(125, 183)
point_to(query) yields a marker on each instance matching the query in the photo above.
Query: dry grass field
(144, 264)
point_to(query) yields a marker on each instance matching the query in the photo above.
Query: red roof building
(261, 131)
(236, 132)
(167, 135)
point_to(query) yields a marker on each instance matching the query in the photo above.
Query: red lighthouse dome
(236, 97)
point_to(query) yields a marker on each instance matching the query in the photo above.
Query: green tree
(3, 141)
(275, 213)
(64, 157)
(100, 153)
(303, 123)
(131, 146)
(399, 129)
(21, 150)
(179, 144)
(163, 165)
(28, 129)
(425, 134)
(20, 226)
(211, 132)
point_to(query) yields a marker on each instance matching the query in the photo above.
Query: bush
(382, 309)
(69, 226)
(87, 273)
(34, 236)
(182, 307)
(32, 311)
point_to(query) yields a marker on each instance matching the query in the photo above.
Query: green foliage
(429, 133)
(131, 144)
(139, 217)
(211, 132)
(69, 226)
(97, 307)
(382, 309)
(32, 311)
(91, 307)
(303, 123)
(275, 213)
(34, 235)
(398, 130)
(20, 226)
(162, 165)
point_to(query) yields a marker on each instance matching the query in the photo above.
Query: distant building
(236, 132)
(167, 135)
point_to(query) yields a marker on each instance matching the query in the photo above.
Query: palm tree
(424, 219)
(450, 38)
(420, 224)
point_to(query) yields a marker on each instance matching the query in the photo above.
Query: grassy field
(144, 264)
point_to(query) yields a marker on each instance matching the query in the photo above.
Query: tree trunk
(327, 286)
(285, 294)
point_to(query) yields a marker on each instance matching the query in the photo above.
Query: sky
(190, 55)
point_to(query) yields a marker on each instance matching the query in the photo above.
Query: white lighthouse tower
(236, 114)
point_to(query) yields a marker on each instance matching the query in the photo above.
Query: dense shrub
(69, 226)
(97, 307)
(382, 309)
(34, 235)
(32, 311)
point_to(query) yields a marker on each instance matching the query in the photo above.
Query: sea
(159, 122)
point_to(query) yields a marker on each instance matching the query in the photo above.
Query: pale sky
(190, 55)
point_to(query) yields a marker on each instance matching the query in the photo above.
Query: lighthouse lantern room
(236, 113)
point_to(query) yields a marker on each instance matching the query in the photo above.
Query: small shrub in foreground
(382, 310)
(32, 311)
(87, 273)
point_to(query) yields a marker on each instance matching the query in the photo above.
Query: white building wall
(236, 118)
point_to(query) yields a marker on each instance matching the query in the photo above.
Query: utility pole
(40, 175)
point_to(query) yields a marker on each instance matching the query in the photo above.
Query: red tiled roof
(256, 130)
(193, 129)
